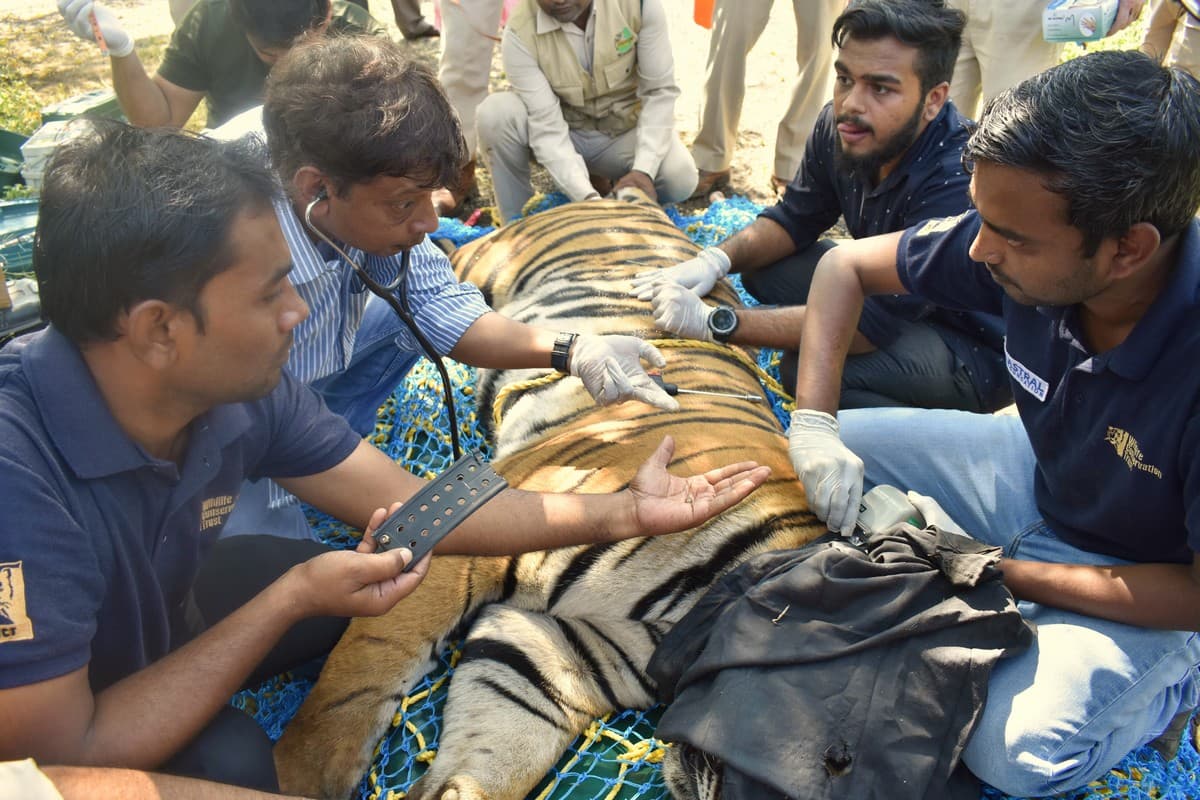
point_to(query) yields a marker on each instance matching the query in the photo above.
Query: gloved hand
(699, 274)
(77, 14)
(611, 370)
(681, 311)
(832, 475)
(933, 513)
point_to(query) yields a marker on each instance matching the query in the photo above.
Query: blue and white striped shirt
(324, 342)
(442, 307)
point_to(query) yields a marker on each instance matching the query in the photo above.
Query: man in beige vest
(593, 101)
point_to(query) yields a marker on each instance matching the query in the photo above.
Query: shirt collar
(80, 423)
(1175, 307)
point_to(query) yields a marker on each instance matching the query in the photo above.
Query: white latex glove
(611, 370)
(681, 311)
(832, 475)
(933, 513)
(77, 14)
(699, 274)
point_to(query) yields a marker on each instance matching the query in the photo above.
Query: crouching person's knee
(501, 119)
(1035, 764)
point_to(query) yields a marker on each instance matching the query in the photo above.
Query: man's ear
(152, 329)
(308, 184)
(935, 98)
(1135, 249)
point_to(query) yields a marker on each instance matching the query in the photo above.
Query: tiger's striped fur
(556, 638)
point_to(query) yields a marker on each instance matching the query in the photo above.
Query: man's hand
(612, 372)
(358, 583)
(1127, 12)
(636, 180)
(832, 475)
(700, 274)
(663, 503)
(681, 311)
(78, 13)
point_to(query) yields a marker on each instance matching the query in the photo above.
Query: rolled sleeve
(443, 307)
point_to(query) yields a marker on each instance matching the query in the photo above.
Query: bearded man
(885, 155)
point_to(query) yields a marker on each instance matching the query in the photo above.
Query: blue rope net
(618, 756)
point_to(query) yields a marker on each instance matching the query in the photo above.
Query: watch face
(723, 321)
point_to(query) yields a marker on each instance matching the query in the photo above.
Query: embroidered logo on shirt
(15, 625)
(1127, 448)
(939, 225)
(624, 41)
(215, 510)
(1024, 376)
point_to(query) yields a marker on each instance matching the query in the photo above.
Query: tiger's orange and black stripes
(555, 639)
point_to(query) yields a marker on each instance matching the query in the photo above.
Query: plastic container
(1078, 20)
(41, 145)
(97, 103)
(10, 157)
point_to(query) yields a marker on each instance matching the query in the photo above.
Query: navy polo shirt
(100, 541)
(1116, 434)
(928, 183)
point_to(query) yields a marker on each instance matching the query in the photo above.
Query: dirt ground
(56, 65)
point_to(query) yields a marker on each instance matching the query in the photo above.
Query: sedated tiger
(554, 639)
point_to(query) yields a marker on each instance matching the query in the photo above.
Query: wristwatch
(722, 322)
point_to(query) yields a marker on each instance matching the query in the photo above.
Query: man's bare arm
(144, 719)
(845, 276)
(151, 102)
(1165, 596)
(781, 328)
(759, 244)
(103, 783)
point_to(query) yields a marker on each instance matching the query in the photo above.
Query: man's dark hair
(1112, 131)
(278, 23)
(928, 25)
(131, 214)
(356, 108)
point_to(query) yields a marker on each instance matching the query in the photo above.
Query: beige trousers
(468, 28)
(1002, 46)
(737, 24)
(1173, 36)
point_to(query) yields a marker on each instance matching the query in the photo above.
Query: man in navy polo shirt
(885, 155)
(126, 430)
(1086, 182)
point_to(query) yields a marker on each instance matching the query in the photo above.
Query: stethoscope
(388, 293)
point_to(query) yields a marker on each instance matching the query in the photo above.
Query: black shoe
(422, 30)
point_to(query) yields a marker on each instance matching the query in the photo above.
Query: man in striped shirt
(360, 137)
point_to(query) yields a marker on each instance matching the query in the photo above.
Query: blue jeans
(1088, 691)
(377, 366)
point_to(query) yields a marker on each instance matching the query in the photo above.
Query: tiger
(552, 640)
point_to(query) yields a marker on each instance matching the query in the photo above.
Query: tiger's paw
(460, 787)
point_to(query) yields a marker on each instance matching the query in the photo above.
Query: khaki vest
(606, 100)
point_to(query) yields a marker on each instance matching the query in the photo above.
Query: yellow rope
(520, 386)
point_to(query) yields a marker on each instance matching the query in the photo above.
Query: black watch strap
(561, 351)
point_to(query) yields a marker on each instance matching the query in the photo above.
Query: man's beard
(868, 165)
